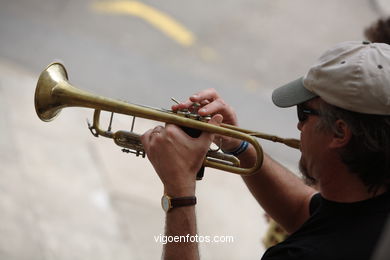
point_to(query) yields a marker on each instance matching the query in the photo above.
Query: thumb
(215, 120)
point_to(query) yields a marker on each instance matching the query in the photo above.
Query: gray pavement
(66, 195)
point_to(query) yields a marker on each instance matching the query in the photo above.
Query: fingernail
(194, 96)
(203, 110)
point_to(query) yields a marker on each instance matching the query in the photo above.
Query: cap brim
(292, 94)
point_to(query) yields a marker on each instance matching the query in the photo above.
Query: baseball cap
(352, 75)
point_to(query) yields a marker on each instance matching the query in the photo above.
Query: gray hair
(368, 152)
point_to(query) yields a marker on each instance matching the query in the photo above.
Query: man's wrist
(179, 191)
(239, 149)
(230, 146)
(168, 203)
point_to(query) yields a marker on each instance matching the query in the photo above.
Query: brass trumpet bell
(47, 106)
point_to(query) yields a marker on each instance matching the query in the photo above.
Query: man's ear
(342, 136)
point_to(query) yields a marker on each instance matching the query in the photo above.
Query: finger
(218, 106)
(150, 134)
(204, 102)
(145, 138)
(175, 107)
(215, 120)
(158, 129)
(203, 97)
(185, 105)
(207, 94)
(176, 134)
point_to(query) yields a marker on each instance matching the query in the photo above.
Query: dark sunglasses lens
(302, 116)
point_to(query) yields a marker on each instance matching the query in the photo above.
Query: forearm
(177, 157)
(181, 223)
(282, 194)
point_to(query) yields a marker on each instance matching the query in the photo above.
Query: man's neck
(343, 186)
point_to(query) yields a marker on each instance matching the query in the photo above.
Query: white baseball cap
(352, 75)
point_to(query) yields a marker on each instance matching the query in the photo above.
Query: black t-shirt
(336, 231)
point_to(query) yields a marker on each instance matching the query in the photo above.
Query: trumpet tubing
(54, 92)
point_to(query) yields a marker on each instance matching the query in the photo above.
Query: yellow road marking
(163, 22)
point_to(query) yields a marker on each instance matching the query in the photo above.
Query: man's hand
(176, 156)
(210, 104)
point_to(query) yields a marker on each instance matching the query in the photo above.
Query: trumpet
(54, 92)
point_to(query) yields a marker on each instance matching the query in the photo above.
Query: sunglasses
(304, 113)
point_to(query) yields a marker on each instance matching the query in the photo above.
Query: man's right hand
(211, 104)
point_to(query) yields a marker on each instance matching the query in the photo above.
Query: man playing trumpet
(343, 107)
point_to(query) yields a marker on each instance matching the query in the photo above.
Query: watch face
(165, 203)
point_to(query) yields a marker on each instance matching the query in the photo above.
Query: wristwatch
(168, 203)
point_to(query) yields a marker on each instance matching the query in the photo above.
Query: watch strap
(183, 201)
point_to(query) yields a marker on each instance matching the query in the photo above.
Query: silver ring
(156, 132)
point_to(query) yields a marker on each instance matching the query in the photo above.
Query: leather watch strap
(169, 203)
(183, 201)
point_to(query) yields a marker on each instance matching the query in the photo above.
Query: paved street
(65, 194)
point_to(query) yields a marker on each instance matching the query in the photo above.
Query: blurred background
(65, 194)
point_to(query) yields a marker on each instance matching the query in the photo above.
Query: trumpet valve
(130, 141)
